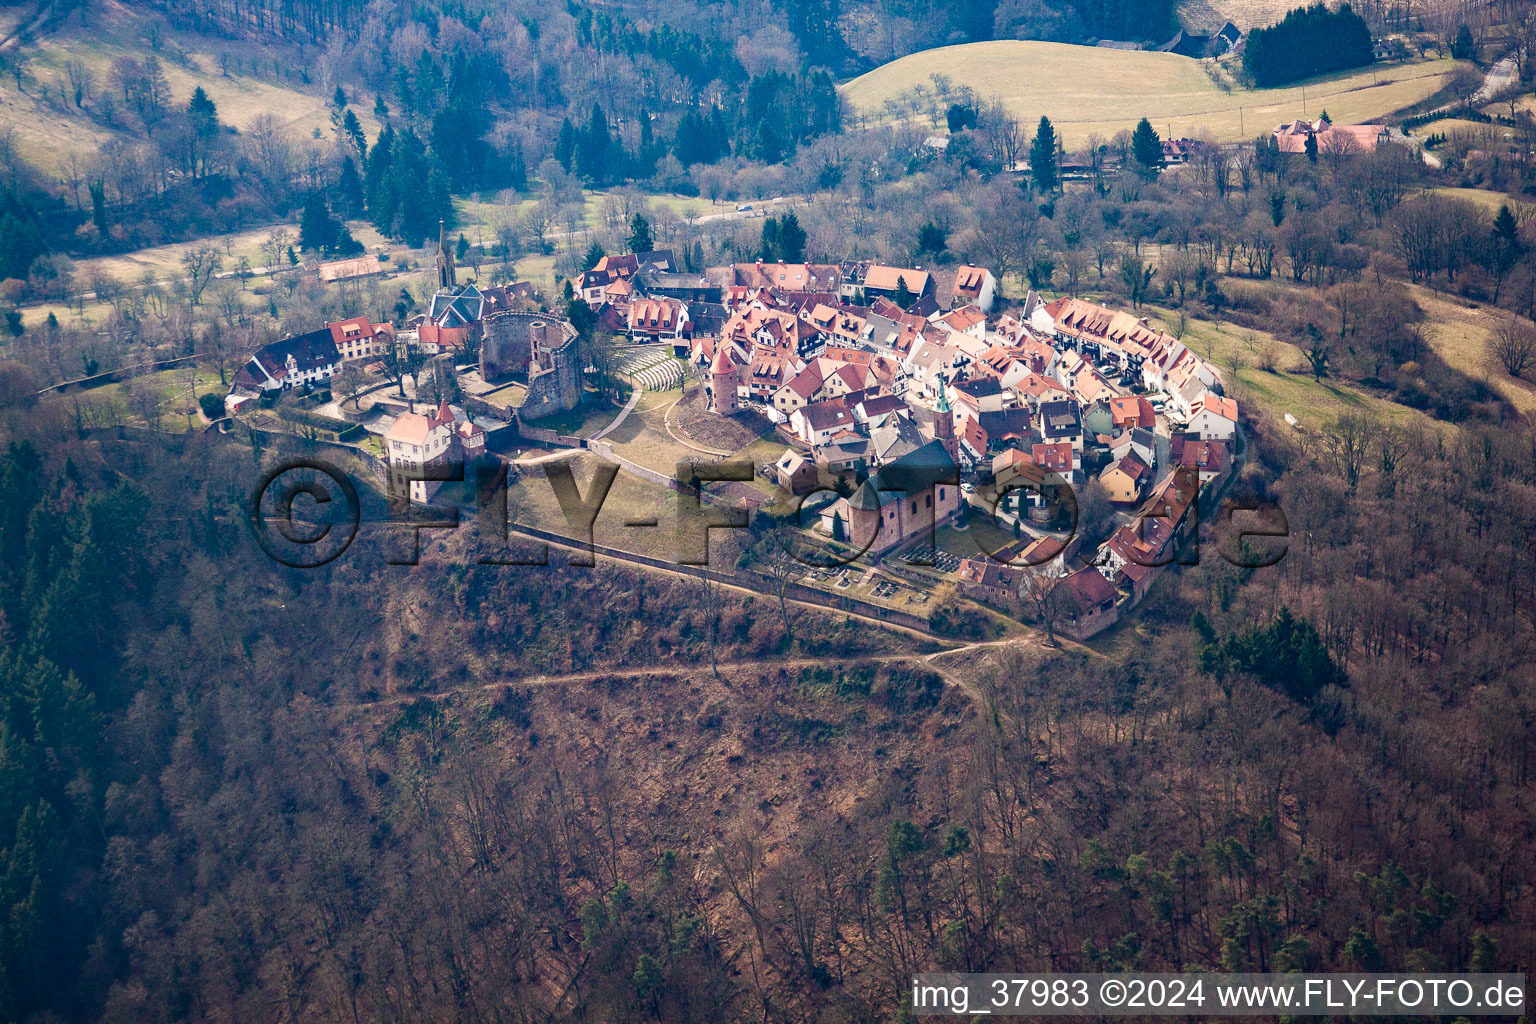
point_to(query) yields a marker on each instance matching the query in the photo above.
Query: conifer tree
(640, 239)
(1146, 146)
(1042, 158)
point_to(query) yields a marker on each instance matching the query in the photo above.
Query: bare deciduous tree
(145, 399)
(781, 567)
(201, 263)
(1349, 443)
(709, 602)
(1514, 346)
(349, 383)
(1043, 592)
(80, 81)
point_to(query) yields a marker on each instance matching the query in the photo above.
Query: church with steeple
(907, 500)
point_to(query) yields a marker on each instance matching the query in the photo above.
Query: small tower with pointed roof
(447, 277)
(864, 516)
(722, 381)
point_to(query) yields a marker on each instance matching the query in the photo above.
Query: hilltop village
(902, 401)
(906, 380)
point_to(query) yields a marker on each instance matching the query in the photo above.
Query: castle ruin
(538, 349)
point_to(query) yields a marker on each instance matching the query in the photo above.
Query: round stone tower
(864, 516)
(722, 381)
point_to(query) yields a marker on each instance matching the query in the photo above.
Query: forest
(370, 792)
(346, 793)
(1308, 41)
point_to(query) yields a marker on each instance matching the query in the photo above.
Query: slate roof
(456, 309)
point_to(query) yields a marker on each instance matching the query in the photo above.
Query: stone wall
(556, 390)
(746, 579)
(513, 341)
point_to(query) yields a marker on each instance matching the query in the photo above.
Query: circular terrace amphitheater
(653, 369)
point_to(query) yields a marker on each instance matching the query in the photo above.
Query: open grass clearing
(49, 130)
(1093, 90)
(1461, 333)
(1312, 402)
(1490, 201)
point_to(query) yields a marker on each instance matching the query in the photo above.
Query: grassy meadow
(47, 127)
(1092, 90)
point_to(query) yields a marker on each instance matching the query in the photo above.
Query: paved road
(1499, 77)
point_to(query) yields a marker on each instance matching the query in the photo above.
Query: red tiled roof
(1055, 457)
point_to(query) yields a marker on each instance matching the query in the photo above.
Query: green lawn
(583, 421)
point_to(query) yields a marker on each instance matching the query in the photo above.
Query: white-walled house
(815, 424)
(304, 359)
(415, 441)
(974, 286)
(1214, 418)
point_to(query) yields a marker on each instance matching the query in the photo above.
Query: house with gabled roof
(1292, 136)
(974, 286)
(1060, 458)
(658, 320)
(815, 424)
(427, 444)
(592, 284)
(785, 277)
(1137, 439)
(799, 391)
(989, 432)
(876, 280)
(966, 320)
(794, 472)
(1036, 391)
(987, 580)
(359, 338)
(351, 269)
(1090, 388)
(1089, 604)
(1047, 553)
(1211, 459)
(977, 395)
(1095, 329)
(1213, 417)
(843, 452)
(1128, 411)
(894, 439)
(689, 288)
(1062, 421)
(872, 411)
(930, 361)
(1125, 480)
(303, 360)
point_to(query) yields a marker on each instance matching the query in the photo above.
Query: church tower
(944, 422)
(447, 279)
